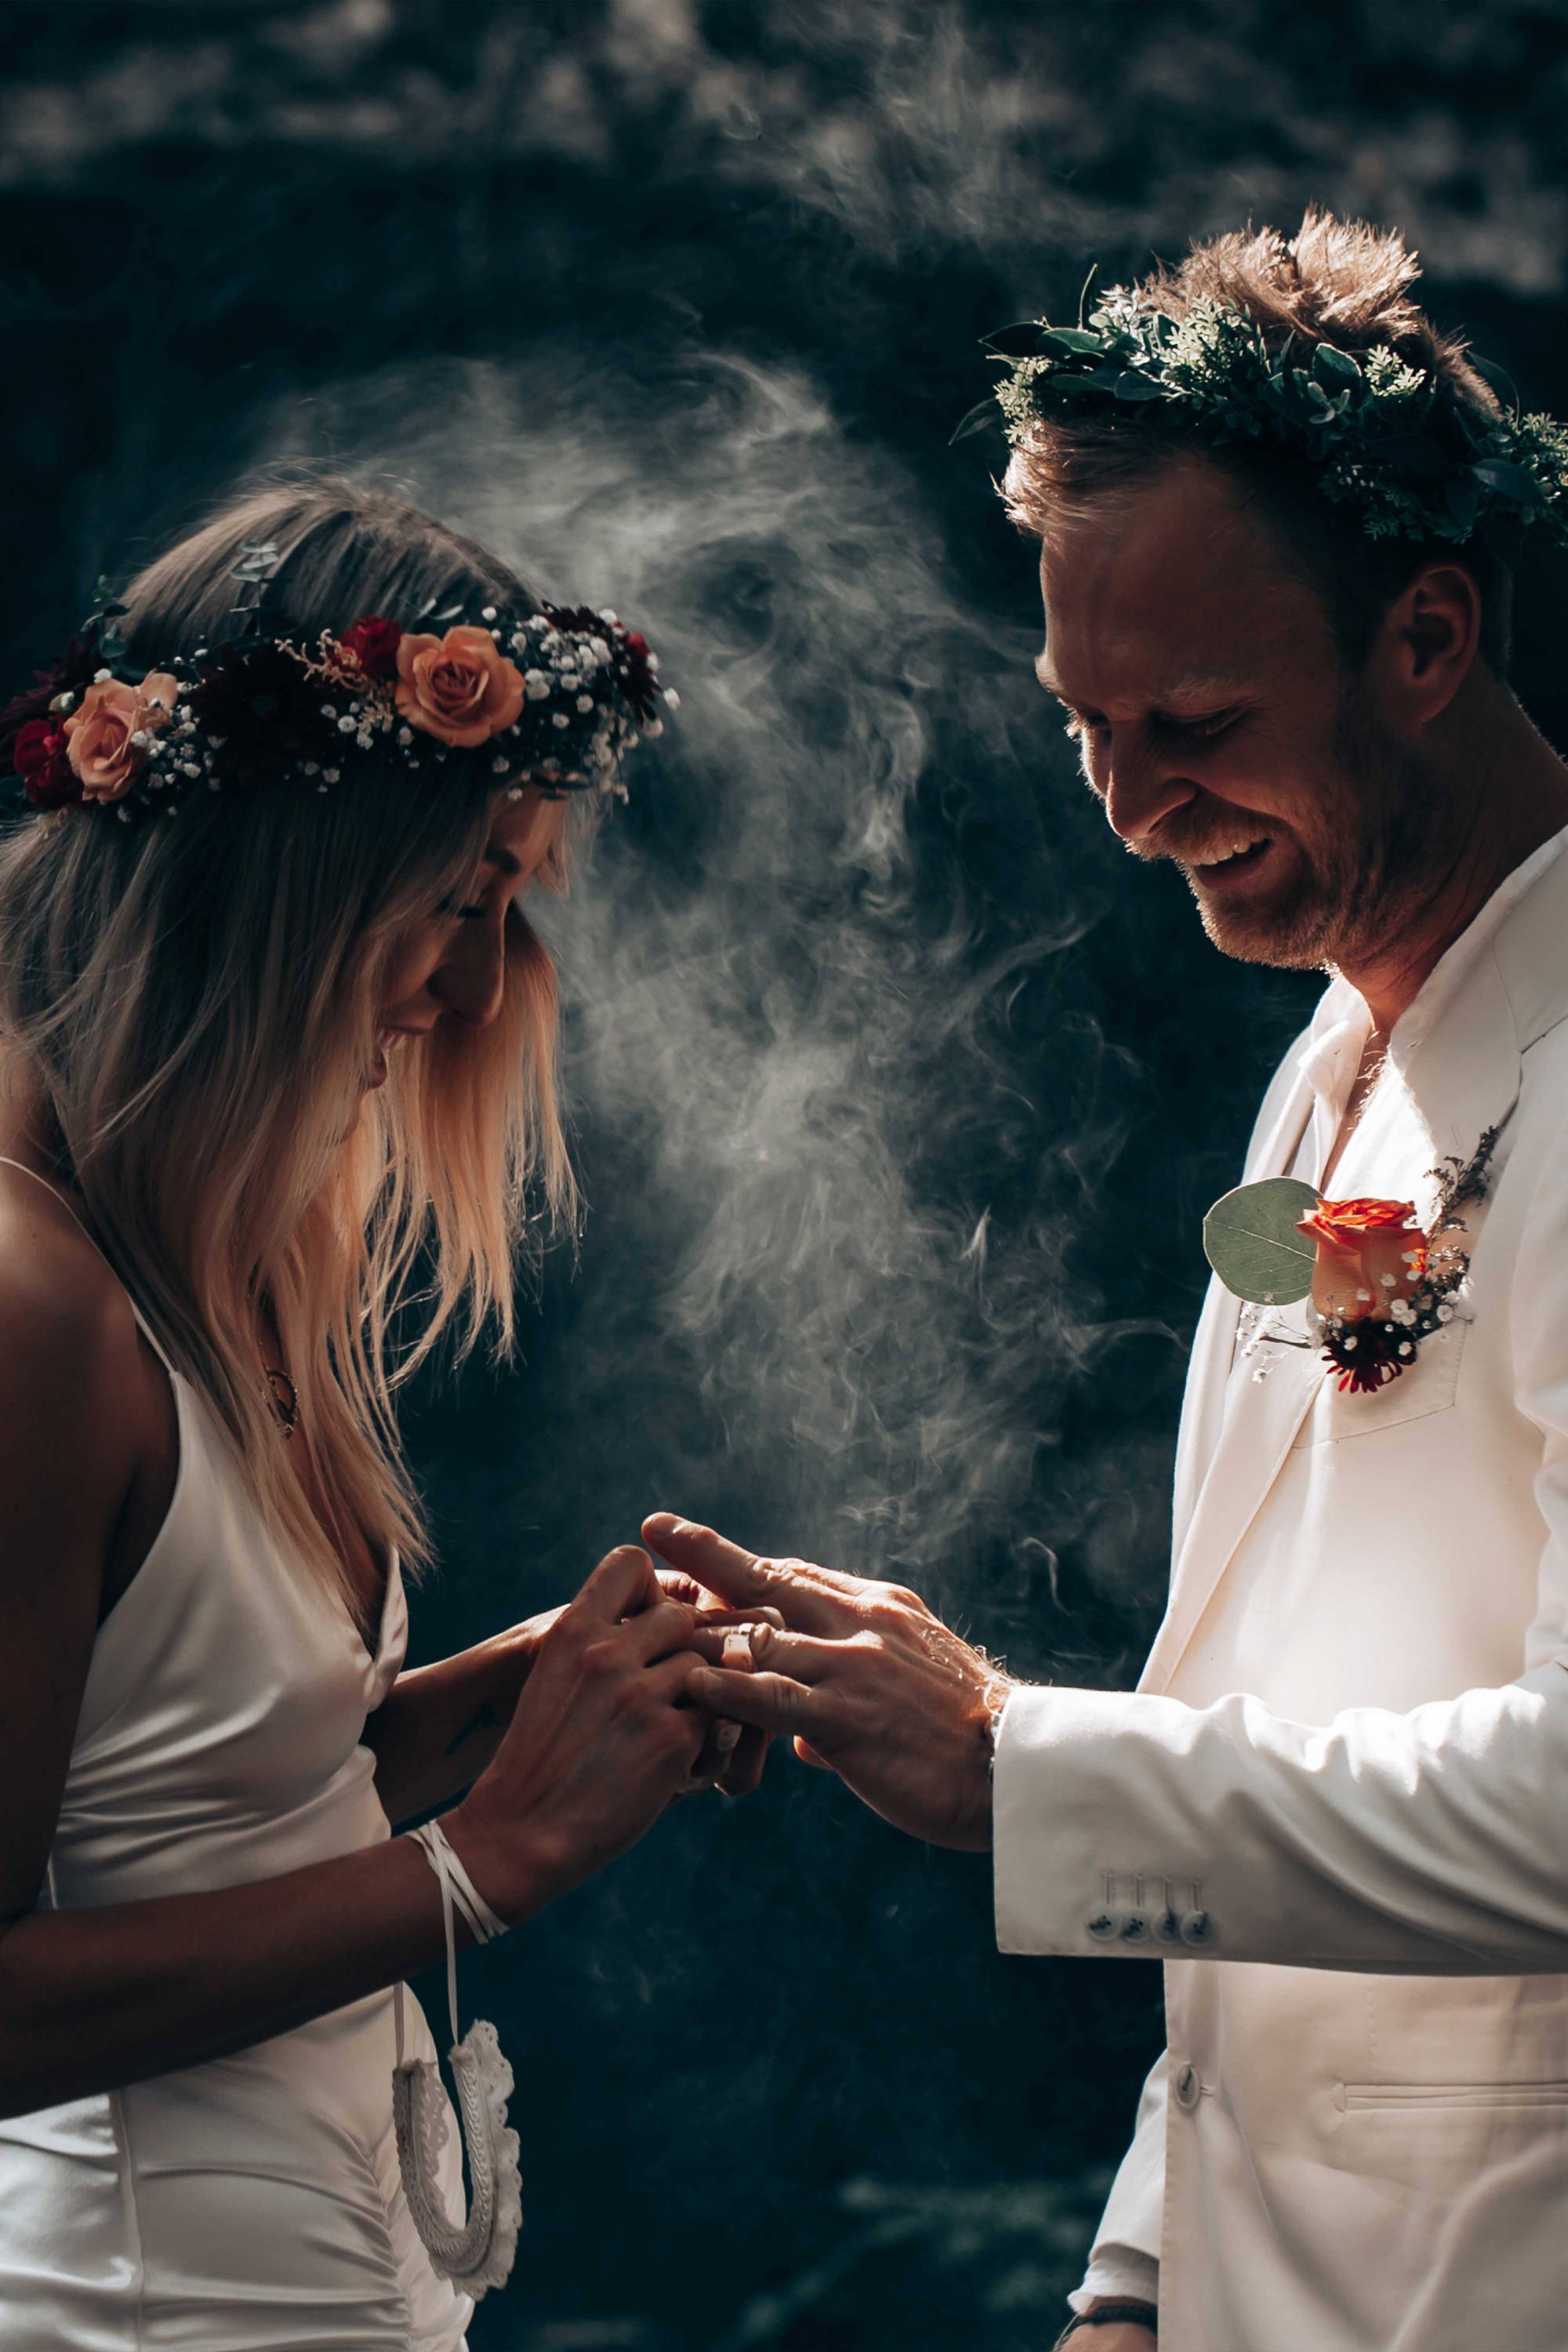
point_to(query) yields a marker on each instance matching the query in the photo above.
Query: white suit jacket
(1346, 1765)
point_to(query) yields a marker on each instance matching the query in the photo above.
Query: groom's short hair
(1335, 282)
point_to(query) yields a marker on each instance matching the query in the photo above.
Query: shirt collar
(1341, 1025)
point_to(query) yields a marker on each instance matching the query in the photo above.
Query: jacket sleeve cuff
(1055, 1887)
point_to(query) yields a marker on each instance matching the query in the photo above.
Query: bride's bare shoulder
(71, 1354)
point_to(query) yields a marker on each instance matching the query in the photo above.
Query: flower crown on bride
(1398, 444)
(554, 699)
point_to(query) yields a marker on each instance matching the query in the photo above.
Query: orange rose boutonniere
(1369, 1254)
(1378, 1284)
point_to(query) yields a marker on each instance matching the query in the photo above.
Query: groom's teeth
(1234, 849)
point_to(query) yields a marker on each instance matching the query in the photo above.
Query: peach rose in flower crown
(459, 688)
(102, 748)
(1370, 1253)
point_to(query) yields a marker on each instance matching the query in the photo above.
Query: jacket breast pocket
(1431, 1384)
(1404, 2098)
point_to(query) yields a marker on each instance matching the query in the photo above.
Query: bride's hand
(602, 1737)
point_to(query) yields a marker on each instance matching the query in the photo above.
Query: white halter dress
(251, 2204)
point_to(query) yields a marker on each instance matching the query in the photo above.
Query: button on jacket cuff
(1426, 1842)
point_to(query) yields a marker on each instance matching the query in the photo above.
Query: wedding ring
(737, 1650)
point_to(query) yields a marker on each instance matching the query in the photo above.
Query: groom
(1277, 513)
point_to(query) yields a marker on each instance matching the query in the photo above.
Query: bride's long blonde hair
(197, 1002)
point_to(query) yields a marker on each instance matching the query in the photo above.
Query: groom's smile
(1220, 725)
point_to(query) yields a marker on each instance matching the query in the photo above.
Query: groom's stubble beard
(1374, 849)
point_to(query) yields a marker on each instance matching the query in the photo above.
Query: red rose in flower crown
(372, 646)
(39, 757)
(1370, 1253)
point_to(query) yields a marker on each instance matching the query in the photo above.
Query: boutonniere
(1377, 1282)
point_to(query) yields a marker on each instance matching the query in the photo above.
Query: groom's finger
(769, 1702)
(803, 1592)
(795, 1654)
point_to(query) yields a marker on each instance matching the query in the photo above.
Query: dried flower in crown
(553, 698)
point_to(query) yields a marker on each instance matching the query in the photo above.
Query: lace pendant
(478, 2253)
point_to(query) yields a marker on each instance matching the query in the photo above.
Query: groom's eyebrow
(1202, 686)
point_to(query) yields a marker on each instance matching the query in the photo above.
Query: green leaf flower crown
(1399, 443)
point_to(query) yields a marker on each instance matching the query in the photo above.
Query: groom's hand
(866, 1680)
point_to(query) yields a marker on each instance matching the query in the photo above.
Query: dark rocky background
(900, 1095)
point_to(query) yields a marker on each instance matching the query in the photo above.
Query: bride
(275, 1038)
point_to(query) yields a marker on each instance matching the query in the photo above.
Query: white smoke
(828, 1201)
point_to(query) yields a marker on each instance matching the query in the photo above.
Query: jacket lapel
(1229, 1452)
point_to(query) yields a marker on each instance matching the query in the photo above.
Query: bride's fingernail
(727, 1735)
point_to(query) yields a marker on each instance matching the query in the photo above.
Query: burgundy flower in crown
(371, 644)
(32, 727)
(553, 698)
(39, 757)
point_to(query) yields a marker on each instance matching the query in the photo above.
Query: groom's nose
(1140, 785)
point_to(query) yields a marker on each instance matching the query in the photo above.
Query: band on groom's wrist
(1125, 2311)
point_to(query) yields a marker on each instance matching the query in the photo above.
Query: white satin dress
(253, 2203)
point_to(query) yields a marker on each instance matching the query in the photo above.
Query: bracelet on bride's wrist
(476, 2252)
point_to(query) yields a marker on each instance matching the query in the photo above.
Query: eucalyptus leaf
(1063, 343)
(1462, 497)
(1131, 385)
(1251, 1242)
(1335, 370)
(983, 412)
(1512, 481)
(1019, 341)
